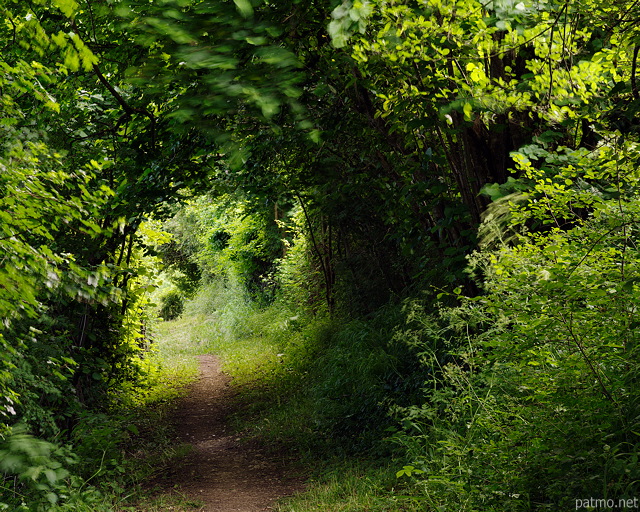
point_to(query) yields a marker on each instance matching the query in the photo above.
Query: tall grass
(225, 322)
(349, 485)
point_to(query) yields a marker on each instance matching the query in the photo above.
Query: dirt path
(228, 475)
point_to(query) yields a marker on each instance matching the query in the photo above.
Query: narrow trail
(222, 471)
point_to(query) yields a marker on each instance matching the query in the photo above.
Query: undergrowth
(101, 462)
(346, 485)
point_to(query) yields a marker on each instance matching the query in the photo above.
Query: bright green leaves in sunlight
(76, 53)
(33, 79)
(348, 18)
(24, 27)
(39, 203)
(245, 7)
(68, 7)
(467, 51)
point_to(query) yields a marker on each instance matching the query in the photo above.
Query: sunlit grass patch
(172, 356)
(352, 486)
(220, 320)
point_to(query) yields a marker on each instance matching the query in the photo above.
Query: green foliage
(179, 253)
(171, 305)
(36, 477)
(45, 201)
(223, 237)
(338, 176)
(345, 485)
(538, 405)
(214, 57)
(298, 275)
(32, 463)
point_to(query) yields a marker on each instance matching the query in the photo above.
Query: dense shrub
(537, 405)
(171, 305)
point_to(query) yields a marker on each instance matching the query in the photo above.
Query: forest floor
(223, 472)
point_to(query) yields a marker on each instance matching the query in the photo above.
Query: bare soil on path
(222, 471)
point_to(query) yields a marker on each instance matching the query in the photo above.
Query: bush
(171, 305)
(541, 407)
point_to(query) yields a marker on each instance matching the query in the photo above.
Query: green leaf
(244, 7)
(51, 475)
(52, 497)
(467, 109)
(68, 7)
